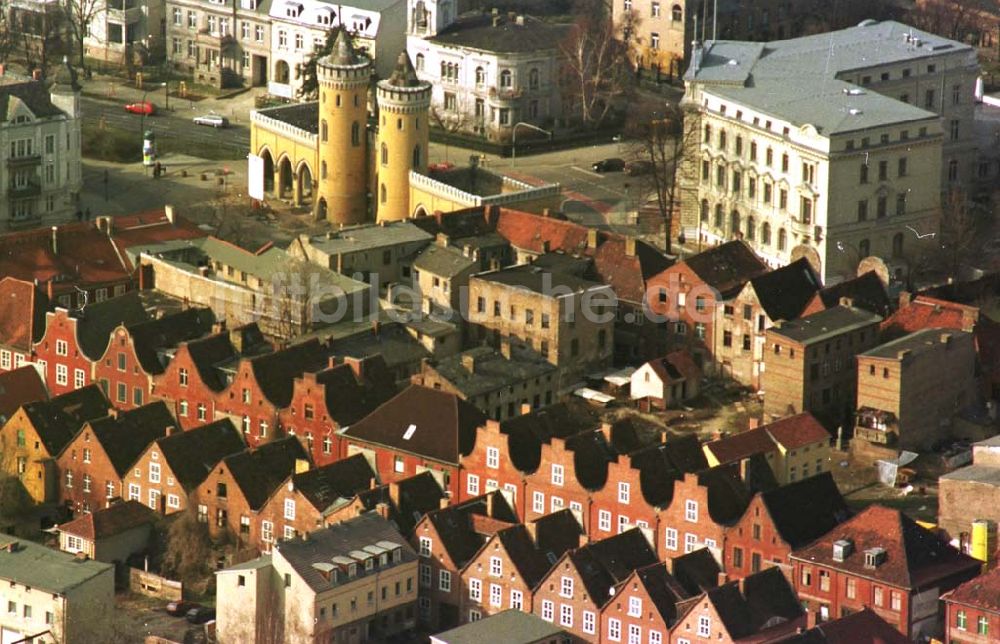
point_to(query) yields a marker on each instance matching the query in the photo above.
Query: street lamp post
(513, 144)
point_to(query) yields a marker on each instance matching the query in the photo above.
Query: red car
(142, 107)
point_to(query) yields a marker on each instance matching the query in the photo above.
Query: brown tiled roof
(797, 431)
(191, 455)
(675, 366)
(982, 592)
(807, 509)
(696, 571)
(257, 473)
(604, 564)
(19, 387)
(529, 562)
(209, 352)
(557, 532)
(663, 590)
(862, 627)
(728, 496)
(22, 313)
(736, 447)
(97, 320)
(431, 423)
(126, 436)
(150, 337)
(785, 292)
(110, 521)
(661, 465)
(275, 372)
(152, 227)
(348, 398)
(914, 557)
(58, 420)
(728, 267)
(761, 601)
(925, 312)
(866, 292)
(417, 495)
(461, 529)
(340, 480)
(526, 433)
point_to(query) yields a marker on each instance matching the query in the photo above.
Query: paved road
(174, 125)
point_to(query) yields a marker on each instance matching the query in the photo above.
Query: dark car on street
(609, 165)
(638, 168)
(200, 615)
(180, 607)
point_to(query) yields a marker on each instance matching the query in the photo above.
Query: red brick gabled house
(325, 401)
(780, 521)
(687, 294)
(138, 352)
(36, 433)
(883, 560)
(506, 452)
(639, 483)
(93, 465)
(972, 610)
(506, 570)
(263, 385)
(924, 312)
(308, 499)
(446, 539)
(74, 340)
(19, 387)
(22, 320)
(239, 486)
(202, 369)
(418, 429)
(761, 608)
(582, 581)
(863, 627)
(644, 607)
(864, 291)
(404, 502)
(167, 474)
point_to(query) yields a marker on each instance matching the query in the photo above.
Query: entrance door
(259, 76)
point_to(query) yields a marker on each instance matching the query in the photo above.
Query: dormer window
(352, 570)
(293, 9)
(249, 5)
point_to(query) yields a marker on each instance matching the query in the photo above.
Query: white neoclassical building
(489, 71)
(40, 177)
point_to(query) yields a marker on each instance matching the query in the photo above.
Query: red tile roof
(926, 313)
(914, 556)
(863, 627)
(797, 431)
(108, 522)
(22, 313)
(983, 592)
(19, 387)
(80, 254)
(531, 232)
(737, 447)
(151, 227)
(674, 366)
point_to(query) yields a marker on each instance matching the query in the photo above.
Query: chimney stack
(51, 290)
(301, 465)
(469, 362)
(444, 502)
(170, 430)
(591, 238)
(489, 503)
(236, 339)
(723, 578)
(55, 240)
(394, 493)
(525, 408)
(905, 297)
(630, 246)
(168, 210)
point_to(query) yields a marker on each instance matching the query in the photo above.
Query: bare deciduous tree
(959, 231)
(188, 555)
(79, 14)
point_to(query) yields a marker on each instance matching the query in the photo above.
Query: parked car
(212, 120)
(637, 168)
(200, 615)
(443, 166)
(180, 607)
(142, 107)
(609, 165)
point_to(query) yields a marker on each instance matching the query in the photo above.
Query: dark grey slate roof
(476, 31)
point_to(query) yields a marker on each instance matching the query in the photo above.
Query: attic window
(874, 557)
(409, 432)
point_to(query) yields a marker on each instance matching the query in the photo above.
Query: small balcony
(31, 189)
(127, 16)
(876, 426)
(24, 161)
(506, 93)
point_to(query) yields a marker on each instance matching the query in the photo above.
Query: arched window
(722, 139)
(708, 133)
(322, 170)
(357, 101)
(399, 124)
(444, 69)
(704, 210)
(897, 245)
(416, 156)
(765, 234)
(734, 223)
(533, 79)
(506, 78)
(782, 239)
(383, 194)
(676, 14)
(419, 63)
(718, 216)
(480, 76)
(864, 248)
(751, 229)
(338, 100)
(385, 154)
(323, 130)
(355, 134)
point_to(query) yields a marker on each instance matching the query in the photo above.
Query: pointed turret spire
(404, 75)
(343, 51)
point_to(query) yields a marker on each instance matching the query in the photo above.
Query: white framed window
(566, 615)
(289, 509)
(589, 622)
(623, 523)
(517, 599)
(475, 615)
(556, 504)
(496, 595)
(710, 543)
(690, 542)
(691, 511)
(472, 484)
(62, 374)
(492, 458)
(604, 521)
(496, 567)
(62, 348)
(635, 606)
(398, 465)
(79, 379)
(133, 492)
(511, 490)
(154, 472)
(425, 546)
(154, 499)
(475, 589)
(624, 492)
(86, 482)
(424, 576)
(634, 634)
(444, 580)
(109, 489)
(704, 626)
(615, 630)
(424, 604)
(173, 501)
(492, 485)
(557, 474)
(548, 610)
(538, 502)
(267, 531)
(5, 359)
(655, 637)
(566, 587)
(670, 539)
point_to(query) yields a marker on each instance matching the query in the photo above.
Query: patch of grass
(110, 144)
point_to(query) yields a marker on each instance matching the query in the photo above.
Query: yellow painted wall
(399, 133)
(344, 153)
(279, 146)
(430, 202)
